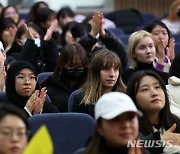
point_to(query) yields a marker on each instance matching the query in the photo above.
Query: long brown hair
(95, 142)
(68, 53)
(92, 88)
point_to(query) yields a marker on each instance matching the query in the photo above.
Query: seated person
(116, 116)
(22, 90)
(69, 74)
(14, 130)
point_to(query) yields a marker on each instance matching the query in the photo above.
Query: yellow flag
(41, 143)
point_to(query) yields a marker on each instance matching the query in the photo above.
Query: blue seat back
(69, 131)
(70, 100)
(43, 76)
(3, 96)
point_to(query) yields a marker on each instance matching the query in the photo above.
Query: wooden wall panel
(156, 7)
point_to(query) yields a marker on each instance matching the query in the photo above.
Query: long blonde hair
(92, 88)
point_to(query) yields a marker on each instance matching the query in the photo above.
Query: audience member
(173, 87)
(66, 36)
(42, 54)
(173, 19)
(148, 92)
(69, 74)
(78, 31)
(141, 52)
(11, 11)
(116, 116)
(104, 75)
(22, 90)
(20, 39)
(64, 16)
(98, 35)
(34, 10)
(44, 19)
(107, 24)
(164, 45)
(14, 130)
(8, 31)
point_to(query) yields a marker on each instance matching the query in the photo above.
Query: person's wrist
(93, 34)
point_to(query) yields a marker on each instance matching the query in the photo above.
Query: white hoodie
(173, 89)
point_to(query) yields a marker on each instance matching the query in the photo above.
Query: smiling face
(13, 135)
(150, 96)
(118, 131)
(25, 82)
(145, 51)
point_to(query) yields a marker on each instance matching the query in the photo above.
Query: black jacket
(112, 42)
(142, 66)
(58, 92)
(43, 58)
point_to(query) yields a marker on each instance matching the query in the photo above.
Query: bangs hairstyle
(110, 59)
(166, 117)
(68, 53)
(92, 88)
(150, 26)
(134, 39)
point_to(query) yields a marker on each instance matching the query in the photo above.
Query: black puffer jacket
(43, 58)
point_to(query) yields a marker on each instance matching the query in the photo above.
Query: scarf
(12, 95)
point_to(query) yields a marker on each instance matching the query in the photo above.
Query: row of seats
(69, 131)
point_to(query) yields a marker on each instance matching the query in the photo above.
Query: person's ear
(4, 54)
(134, 55)
(99, 128)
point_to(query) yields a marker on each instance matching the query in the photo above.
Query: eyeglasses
(11, 13)
(8, 133)
(31, 78)
(72, 69)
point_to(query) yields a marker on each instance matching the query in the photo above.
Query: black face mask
(178, 13)
(73, 74)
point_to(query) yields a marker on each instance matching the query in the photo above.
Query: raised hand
(31, 103)
(2, 78)
(28, 32)
(160, 53)
(40, 101)
(170, 136)
(170, 49)
(50, 30)
(95, 25)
